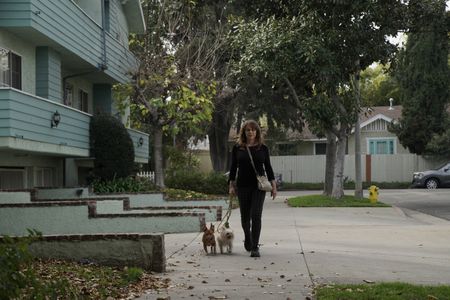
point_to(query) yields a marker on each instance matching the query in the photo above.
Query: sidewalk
(306, 246)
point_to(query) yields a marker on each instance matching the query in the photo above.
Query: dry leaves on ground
(97, 282)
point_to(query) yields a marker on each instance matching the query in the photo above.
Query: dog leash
(227, 215)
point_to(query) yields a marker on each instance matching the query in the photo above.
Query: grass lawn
(382, 291)
(326, 201)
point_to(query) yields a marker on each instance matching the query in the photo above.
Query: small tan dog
(225, 239)
(209, 239)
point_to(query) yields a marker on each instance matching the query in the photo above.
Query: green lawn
(325, 201)
(382, 291)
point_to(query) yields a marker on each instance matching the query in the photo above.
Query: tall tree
(378, 86)
(423, 74)
(172, 91)
(316, 47)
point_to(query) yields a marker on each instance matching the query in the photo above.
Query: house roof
(388, 113)
(367, 116)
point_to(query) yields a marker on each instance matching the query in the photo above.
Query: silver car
(432, 179)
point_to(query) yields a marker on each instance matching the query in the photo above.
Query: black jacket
(241, 164)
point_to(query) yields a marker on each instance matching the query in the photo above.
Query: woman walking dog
(250, 158)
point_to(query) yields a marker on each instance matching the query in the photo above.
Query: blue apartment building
(58, 62)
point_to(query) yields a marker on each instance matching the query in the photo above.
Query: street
(432, 202)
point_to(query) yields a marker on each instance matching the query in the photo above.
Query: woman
(251, 199)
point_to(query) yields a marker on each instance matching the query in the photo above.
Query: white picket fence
(147, 174)
(385, 168)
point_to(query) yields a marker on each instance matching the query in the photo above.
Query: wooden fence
(376, 168)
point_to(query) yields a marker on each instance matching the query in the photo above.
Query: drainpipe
(102, 66)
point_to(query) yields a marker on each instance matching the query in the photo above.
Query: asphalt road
(432, 202)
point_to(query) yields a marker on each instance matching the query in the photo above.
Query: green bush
(180, 160)
(112, 148)
(212, 183)
(124, 185)
(215, 183)
(14, 256)
(18, 280)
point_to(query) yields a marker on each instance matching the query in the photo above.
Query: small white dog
(225, 239)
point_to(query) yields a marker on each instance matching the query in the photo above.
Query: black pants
(251, 202)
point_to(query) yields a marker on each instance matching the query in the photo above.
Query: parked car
(432, 179)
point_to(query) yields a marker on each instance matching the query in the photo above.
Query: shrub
(215, 183)
(14, 256)
(179, 160)
(124, 185)
(212, 183)
(112, 148)
(18, 280)
(185, 180)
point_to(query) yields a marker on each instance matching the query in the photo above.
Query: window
(320, 148)
(10, 69)
(12, 178)
(381, 146)
(44, 177)
(83, 101)
(68, 94)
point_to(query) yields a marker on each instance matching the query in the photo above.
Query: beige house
(375, 136)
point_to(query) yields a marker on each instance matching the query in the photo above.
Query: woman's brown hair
(242, 139)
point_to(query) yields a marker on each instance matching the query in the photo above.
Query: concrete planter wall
(145, 251)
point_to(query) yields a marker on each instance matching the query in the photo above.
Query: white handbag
(263, 183)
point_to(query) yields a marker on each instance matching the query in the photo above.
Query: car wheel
(431, 184)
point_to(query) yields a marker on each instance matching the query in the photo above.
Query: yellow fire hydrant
(373, 194)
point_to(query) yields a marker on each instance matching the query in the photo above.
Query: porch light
(141, 141)
(56, 118)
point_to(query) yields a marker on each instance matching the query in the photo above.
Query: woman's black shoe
(255, 253)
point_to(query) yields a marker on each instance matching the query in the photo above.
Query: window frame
(81, 105)
(320, 143)
(20, 170)
(391, 145)
(40, 176)
(14, 70)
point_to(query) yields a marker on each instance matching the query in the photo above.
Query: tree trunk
(219, 132)
(158, 157)
(358, 164)
(338, 181)
(329, 163)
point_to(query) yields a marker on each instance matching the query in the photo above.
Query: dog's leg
(221, 248)
(230, 248)
(205, 247)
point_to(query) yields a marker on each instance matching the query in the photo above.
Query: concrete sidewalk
(302, 247)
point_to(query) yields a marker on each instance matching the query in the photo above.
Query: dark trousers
(251, 202)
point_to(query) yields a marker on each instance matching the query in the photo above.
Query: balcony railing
(27, 123)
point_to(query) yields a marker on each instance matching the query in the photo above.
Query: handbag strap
(251, 160)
